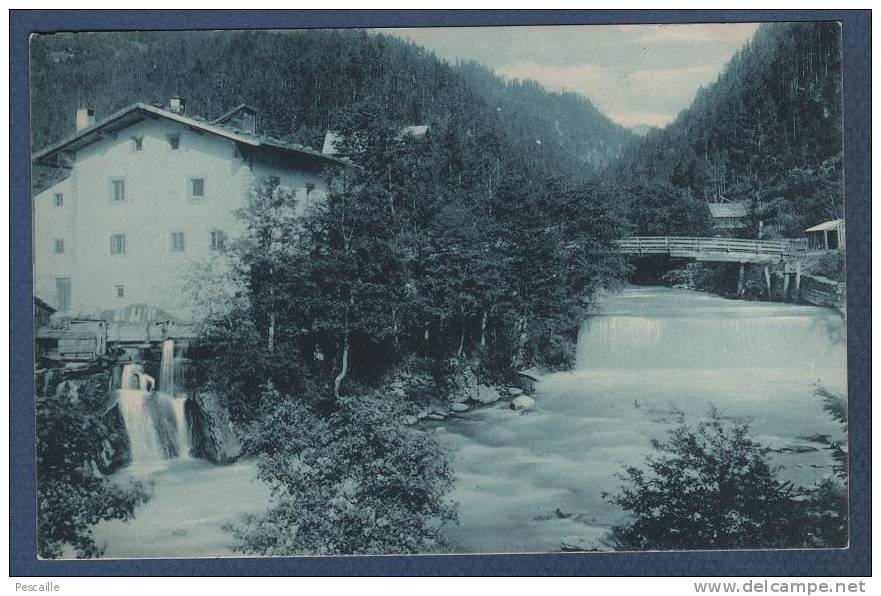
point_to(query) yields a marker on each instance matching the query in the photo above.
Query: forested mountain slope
(301, 80)
(564, 123)
(767, 133)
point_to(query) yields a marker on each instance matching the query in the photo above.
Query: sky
(635, 74)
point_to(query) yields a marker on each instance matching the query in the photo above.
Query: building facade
(148, 192)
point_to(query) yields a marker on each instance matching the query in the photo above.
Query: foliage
(767, 133)
(710, 487)
(436, 246)
(356, 482)
(304, 81)
(73, 495)
(829, 503)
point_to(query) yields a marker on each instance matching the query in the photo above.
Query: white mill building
(148, 191)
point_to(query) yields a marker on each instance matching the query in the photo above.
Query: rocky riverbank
(460, 386)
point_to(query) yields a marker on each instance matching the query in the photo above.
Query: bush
(72, 493)
(710, 487)
(828, 506)
(358, 481)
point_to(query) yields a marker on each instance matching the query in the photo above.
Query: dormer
(242, 117)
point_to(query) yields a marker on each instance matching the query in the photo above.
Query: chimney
(178, 105)
(85, 117)
(249, 122)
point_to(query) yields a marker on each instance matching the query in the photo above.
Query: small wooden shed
(727, 215)
(828, 235)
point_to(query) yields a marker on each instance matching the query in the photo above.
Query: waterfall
(166, 367)
(136, 415)
(646, 329)
(183, 431)
(154, 421)
(168, 385)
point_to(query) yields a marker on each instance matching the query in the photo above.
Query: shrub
(72, 493)
(828, 506)
(709, 487)
(358, 481)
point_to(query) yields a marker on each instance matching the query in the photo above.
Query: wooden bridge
(730, 250)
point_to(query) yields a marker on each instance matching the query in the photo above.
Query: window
(59, 246)
(120, 291)
(117, 244)
(177, 242)
(62, 293)
(197, 187)
(138, 143)
(174, 141)
(117, 190)
(218, 240)
(59, 199)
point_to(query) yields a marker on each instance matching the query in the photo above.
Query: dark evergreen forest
(768, 133)
(300, 82)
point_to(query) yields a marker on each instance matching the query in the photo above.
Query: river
(528, 481)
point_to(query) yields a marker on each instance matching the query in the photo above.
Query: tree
(709, 487)
(72, 493)
(357, 482)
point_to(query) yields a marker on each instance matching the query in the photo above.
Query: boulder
(213, 436)
(410, 420)
(459, 407)
(515, 391)
(486, 394)
(523, 402)
(436, 416)
(462, 382)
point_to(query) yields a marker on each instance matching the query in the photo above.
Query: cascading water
(154, 420)
(168, 365)
(647, 357)
(645, 329)
(134, 405)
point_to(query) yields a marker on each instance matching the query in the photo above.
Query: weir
(643, 328)
(155, 420)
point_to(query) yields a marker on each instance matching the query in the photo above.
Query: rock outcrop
(213, 436)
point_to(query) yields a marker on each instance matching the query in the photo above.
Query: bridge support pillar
(798, 280)
(768, 280)
(786, 286)
(740, 276)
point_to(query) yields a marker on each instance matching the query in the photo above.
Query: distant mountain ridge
(767, 133)
(300, 80)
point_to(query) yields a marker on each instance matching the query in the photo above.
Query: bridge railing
(685, 244)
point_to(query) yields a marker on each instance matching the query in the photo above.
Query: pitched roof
(727, 209)
(141, 111)
(826, 225)
(242, 107)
